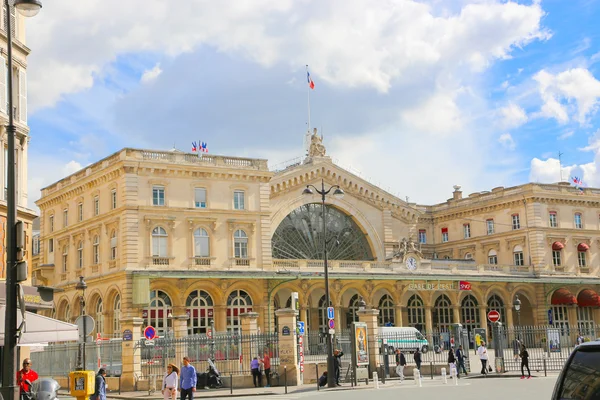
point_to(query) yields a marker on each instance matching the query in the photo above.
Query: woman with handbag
(170, 382)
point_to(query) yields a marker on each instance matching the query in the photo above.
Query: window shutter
(23, 96)
(3, 86)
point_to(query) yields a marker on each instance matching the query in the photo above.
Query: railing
(202, 261)
(242, 262)
(204, 159)
(161, 261)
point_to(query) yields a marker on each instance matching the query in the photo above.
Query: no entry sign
(494, 316)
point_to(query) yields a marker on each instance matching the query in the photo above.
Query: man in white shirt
(483, 356)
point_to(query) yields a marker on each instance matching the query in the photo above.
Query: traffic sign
(494, 316)
(330, 313)
(209, 333)
(149, 332)
(149, 342)
(331, 324)
(301, 328)
(89, 325)
(331, 331)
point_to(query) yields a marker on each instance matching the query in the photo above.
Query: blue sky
(416, 96)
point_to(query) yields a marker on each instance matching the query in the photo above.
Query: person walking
(400, 363)
(170, 382)
(100, 386)
(255, 368)
(524, 362)
(417, 358)
(460, 359)
(483, 357)
(452, 363)
(25, 377)
(338, 354)
(188, 380)
(267, 367)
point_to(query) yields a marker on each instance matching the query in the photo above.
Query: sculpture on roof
(406, 246)
(316, 145)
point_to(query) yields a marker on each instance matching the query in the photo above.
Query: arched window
(238, 302)
(323, 313)
(470, 314)
(117, 316)
(113, 245)
(240, 244)
(80, 254)
(99, 317)
(199, 306)
(157, 313)
(442, 314)
(492, 257)
(416, 312)
(387, 314)
(518, 258)
(96, 250)
(201, 243)
(351, 315)
(159, 242)
(495, 303)
(468, 256)
(67, 313)
(65, 259)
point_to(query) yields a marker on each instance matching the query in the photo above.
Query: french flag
(311, 84)
(203, 147)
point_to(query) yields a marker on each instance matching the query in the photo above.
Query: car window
(582, 377)
(419, 336)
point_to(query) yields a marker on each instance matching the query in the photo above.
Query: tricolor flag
(578, 183)
(194, 147)
(311, 84)
(203, 147)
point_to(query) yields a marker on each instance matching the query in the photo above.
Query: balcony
(161, 261)
(241, 262)
(200, 262)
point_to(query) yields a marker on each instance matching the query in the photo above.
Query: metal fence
(315, 345)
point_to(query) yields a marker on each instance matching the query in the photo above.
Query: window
(159, 242)
(80, 254)
(238, 302)
(443, 315)
(422, 236)
(444, 235)
(80, 212)
(492, 257)
(416, 312)
(556, 261)
(50, 245)
(68, 313)
(117, 315)
(51, 223)
(200, 198)
(201, 243)
(199, 306)
(497, 304)
(96, 205)
(113, 245)
(578, 221)
(470, 313)
(65, 260)
(113, 199)
(518, 255)
(581, 258)
(387, 315)
(352, 313)
(238, 200)
(468, 256)
(240, 244)
(516, 223)
(157, 313)
(490, 226)
(467, 230)
(96, 250)
(65, 218)
(99, 317)
(553, 221)
(36, 245)
(158, 196)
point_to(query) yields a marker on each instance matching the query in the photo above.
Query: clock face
(411, 263)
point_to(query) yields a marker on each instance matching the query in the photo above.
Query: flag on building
(203, 147)
(194, 147)
(311, 84)
(578, 184)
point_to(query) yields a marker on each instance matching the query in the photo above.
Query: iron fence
(315, 345)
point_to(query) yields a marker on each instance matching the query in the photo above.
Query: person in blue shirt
(187, 380)
(100, 387)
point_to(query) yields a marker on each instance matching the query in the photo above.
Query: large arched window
(238, 302)
(159, 242)
(416, 312)
(470, 314)
(351, 315)
(497, 304)
(157, 313)
(67, 313)
(323, 313)
(65, 258)
(240, 244)
(96, 250)
(113, 245)
(99, 317)
(80, 254)
(117, 316)
(201, 243)
(387, 315)
(199, 306)
(442, 314)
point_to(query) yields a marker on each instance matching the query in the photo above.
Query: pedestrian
(524, 362)
(460, 359)
(188, 380)
(100, 386)
(400, 363)
(338, 354)
(267, 367)
(25, 377)
(323, 379)
(452, 363)
(170, 382)
(255, 368)
(580, 339)
(417, 358)
(483, 357)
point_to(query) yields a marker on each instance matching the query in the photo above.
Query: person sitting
(323, 379)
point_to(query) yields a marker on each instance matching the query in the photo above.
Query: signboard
(209, 333)
(493, 316)
(480, 336)
(330, 313)
(331, 324)
(150, 333)
(361, 350)
(433, 286)
(301, 328)
(301, 352)
(127, 335)
(149, 342)
(464, 285)
(80, 383)
(89, 325)
(285, 331)
(550, 317)
(553, 337)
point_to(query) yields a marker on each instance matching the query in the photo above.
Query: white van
(404, 338)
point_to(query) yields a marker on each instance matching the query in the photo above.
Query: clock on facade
(411, 263)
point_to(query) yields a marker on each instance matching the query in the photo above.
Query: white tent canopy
(40, 329)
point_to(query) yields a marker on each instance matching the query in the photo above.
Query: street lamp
(81, 285)
(9, 361)
(339, 193)
(518, 309)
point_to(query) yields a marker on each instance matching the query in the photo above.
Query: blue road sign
(330, 313)
(550, 316)
(301, 327)
(150, 333)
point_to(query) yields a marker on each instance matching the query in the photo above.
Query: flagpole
(307, 134)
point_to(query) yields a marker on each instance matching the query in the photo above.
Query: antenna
(560, 164)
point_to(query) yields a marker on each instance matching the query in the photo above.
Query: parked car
(580, 376)
(404, 338)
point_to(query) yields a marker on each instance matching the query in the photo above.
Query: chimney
(457, 194)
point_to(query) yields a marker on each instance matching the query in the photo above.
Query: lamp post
(9, 388)
(339, 193)
(212, 339)
(518, 309)
(81, 285)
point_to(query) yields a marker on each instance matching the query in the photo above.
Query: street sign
(149, 342)
(301, 328)
(209, 333)
(149, 332)
(550, 317)
(494, 316)
(330, 313)
(89, 325)
(331, 324)
(332, 331)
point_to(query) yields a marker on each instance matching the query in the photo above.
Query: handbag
(490, 368)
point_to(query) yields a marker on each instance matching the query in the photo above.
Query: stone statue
(316, 145)
(406, 246)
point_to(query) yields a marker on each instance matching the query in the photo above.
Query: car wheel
(424, 349)
(390, 351)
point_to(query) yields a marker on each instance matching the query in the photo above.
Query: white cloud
(513, 116)
(151, 74)
(549, 171)
(45, 170)
(439, 114)
(507, 141)
(566, 135)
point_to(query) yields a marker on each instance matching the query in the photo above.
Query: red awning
(562, 297)
(557, 246)
(588, 298)
(444, 230)
(583, 247)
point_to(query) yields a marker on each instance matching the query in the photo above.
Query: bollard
(545, 371)
(285, 377)
(383, 374)
(376, 379)
(431, 369)
(416, 376)
(230, 383)
(119, 384)
(367, 381)
(444, 378)
(317, 372)
(453, 375)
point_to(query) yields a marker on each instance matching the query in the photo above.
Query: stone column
(288, 354)
(428, 319)
(398, 316)
(338, 317)
(456, 313)
(249, 323)
(483, 320)
(304, 315)
(510, 320)
(131, 359)
(220, 318)
(250, 345)
(596, 316)
(369, 316)
(180, 330)
(573, 321)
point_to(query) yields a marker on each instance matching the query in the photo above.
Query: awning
(557, 246)
(588, 298)
(562, 297)
(583, 247)
(40, 329)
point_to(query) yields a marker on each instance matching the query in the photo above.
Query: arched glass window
(67, 313)
(159, 242)
(468, 256)
(240, 244)
(470, 314)
(80, 254)
(65, 259)
(416, 312)
(158, 311)
(442, 314)
(387, 314)
(323, 313)
(117, 316)
(351, 315)
(199, 306)
(113, 245)
(201, 243)
(495, 303)
(99, 317)
(238, 302)
(96, 250)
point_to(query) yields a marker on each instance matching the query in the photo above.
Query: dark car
(580, 377)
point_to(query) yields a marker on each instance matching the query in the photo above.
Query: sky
(414, 96)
